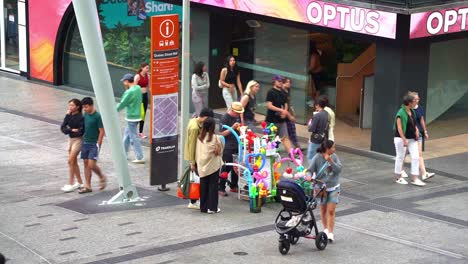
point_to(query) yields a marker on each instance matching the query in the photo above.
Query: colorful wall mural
(42, 35)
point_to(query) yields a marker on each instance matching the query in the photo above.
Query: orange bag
(194, 193)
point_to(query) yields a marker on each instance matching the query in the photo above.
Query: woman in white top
(200, 86)
(209, 162)
(331, 118)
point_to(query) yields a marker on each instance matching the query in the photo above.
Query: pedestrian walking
(200, 86)
(423, 135)
(318, 126)
(291, 121)
(276, 103)
(406, 138)
(327, 168)
(131, 101)
(73, 126)
(194, 128)
(249, 102)
(231, 118)
(209, 163)
(331, 118)
(142, 79)
(230, 81)
(92, 142)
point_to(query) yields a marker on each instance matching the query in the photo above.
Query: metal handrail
(358, 71)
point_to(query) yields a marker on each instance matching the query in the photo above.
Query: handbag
(318, 192)
(315, 137)
(189, 186)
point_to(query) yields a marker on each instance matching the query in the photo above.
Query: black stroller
(296, 219)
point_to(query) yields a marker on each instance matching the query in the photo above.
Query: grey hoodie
(331, 176)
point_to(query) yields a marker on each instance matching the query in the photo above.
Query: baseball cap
(127, 77)
(278, 78)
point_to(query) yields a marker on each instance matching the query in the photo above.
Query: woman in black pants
(209, 163)
(142, 79)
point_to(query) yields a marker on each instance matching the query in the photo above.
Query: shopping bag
(194, 192)
(189, 186)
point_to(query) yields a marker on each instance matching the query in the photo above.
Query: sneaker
(401, 181)
(418, 182)
(427, 176)
(67, 188)
(234, 190)
(331, 237)
(222, 193)
(141, 135)
(326, 232)
(193, 205)
(77, 186)
(137, 161)
(213, 212)
(404, 174)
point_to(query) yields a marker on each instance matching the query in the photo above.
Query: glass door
(9, 35)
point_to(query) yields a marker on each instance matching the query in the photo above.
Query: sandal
(103, 183)
(84, 190)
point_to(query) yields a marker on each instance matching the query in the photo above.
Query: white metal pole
(90, 31)
(185, 86)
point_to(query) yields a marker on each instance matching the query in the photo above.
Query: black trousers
(209, 192)
(145, 107)
(227, 157)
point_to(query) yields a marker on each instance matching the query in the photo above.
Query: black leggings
(145, 106)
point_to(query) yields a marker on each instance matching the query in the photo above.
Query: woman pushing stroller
(327, 168)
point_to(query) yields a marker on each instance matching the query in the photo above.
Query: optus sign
(331, 15)
(352, 19)
(438, 22)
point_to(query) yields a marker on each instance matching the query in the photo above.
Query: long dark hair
(234, 69)
(142, 65)
(198, 69)
(208, 128)
(77, 103)
(326, 145)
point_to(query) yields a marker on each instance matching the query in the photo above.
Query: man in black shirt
(276, 102)
(231, 118)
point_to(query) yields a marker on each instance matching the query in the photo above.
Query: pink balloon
(293, 154)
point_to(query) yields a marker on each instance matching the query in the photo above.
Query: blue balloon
(237, 138)
(223, 140)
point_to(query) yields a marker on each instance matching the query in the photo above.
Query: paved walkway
(378, 221)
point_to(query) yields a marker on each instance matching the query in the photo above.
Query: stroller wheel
(321, 241)
(293, 239)
(284, 246)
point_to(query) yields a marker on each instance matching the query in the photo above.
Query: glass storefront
(447, 93)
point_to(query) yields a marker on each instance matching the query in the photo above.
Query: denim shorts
(330, 197)
(89, 151)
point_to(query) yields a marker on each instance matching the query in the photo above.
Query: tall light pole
(88, 23)
(185, 88)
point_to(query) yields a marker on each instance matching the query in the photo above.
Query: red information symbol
(167, 28)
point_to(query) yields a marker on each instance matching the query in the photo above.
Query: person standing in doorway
(276, 103)
(423, 135)
(73, 126)
(291, 121)
(327, 168)
(131, 101)
(231, 118)
(315, 71)
(142, 79)
(200, 86)
(249, 102)
(92, 142)
(194, 128)
(229, 78)
(318, 126)
(331, 118)
(209, 163)
(406, 138)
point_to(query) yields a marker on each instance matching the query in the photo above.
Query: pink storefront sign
(331, 15)
(438, 22)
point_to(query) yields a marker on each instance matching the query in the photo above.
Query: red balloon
(289, 170)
